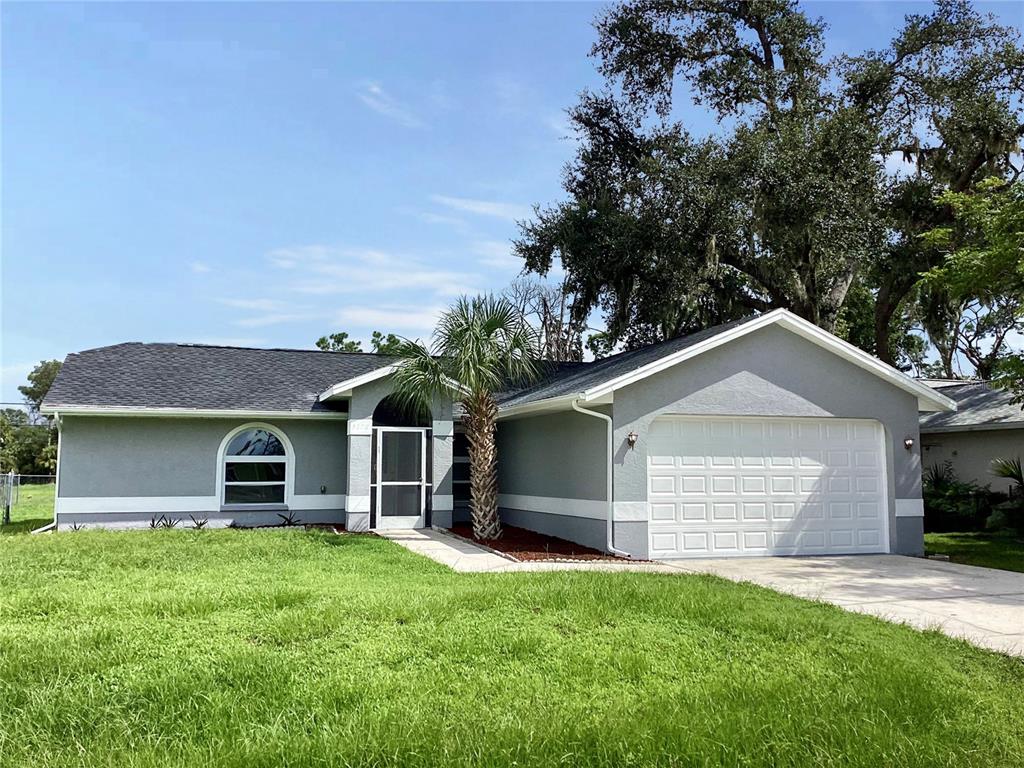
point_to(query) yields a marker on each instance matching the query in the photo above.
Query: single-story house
(986, 425)
(764, 436)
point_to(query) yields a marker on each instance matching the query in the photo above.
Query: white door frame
(384, 522)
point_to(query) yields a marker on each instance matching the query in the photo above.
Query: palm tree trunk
(481, 420)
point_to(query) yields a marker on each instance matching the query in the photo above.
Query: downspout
(610, 535)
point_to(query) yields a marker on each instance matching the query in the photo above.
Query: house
(765, 436)
(987, 425)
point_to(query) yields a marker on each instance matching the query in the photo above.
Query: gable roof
(979, 406)
(198, 378)
(195, 379)
(602, 378)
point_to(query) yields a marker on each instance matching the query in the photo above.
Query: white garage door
(745, 486)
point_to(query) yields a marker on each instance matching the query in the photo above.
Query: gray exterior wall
(116, 457)
(773, 372)
(971, 453)
(555, 459)
(561, 455)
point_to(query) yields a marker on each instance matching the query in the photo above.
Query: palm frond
(420, 377)
(1011, 469)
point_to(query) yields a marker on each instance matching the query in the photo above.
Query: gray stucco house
(987, 425)
(766, 436)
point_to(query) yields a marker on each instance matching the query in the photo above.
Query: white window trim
(289, 464)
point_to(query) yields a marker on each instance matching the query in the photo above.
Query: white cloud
(560, 125)
(199, 267)
(391, 318)
(498, 254)
(507, 211)
(261, 321)
(261, 305)
(330, 271)
(381, 102)
(13, 375)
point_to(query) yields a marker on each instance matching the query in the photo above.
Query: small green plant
(288, 520)
(76, 527)
(163, 522)
(198, 524)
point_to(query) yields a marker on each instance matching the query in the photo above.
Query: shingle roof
(135, 375)
(570, 381)
(979, 404)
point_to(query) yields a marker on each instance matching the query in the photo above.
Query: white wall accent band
(909, 507)
(360, 426)
(358, 504)
(443, 502)
(182, 504)
(310, 501)
(357, 522)
(95, 504)
(554, 506)
(443, 428)
(632, 510)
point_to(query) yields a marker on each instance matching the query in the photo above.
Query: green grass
(989, 550)
(33, 510)
(273, 648)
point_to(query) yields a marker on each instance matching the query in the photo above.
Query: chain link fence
(10, 490)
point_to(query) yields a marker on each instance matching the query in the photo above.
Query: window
(255, 467)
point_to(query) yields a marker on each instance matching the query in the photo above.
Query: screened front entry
(402, 485)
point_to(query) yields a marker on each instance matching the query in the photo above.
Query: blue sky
(261, 174)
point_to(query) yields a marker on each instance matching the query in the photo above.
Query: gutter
(610, 533)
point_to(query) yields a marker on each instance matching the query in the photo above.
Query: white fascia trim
(201, 413)
(344, 388)
(928, 399)
(972, 428)
(561, 403)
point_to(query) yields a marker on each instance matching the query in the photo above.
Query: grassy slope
(271, 648)
(33, 510)
(989, 550)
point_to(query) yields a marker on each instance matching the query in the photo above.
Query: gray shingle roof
(978, 405)
(570, 381)
(194, 376)
(135, 375)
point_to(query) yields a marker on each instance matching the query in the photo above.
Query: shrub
(951, 504)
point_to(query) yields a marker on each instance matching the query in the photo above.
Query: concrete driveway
(981, 605)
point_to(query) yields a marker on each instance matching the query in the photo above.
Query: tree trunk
(481, 420)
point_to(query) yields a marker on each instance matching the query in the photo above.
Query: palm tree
(481, 346)
(1011, 469)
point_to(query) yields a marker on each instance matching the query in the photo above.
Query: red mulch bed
(525, 545)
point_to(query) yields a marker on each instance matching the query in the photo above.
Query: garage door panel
(766, 486)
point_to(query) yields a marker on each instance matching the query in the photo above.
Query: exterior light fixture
(631, 439)
(908, 443)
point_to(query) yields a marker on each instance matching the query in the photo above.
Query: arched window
(255, 466)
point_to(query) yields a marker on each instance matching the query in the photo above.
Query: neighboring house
(987, 425)
(766, 436)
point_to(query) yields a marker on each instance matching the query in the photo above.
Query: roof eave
(200, 413)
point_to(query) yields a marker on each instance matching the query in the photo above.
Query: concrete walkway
(981, 605)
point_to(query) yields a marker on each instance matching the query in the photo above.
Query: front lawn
(272, 648)
(989, 550)
(34, 509)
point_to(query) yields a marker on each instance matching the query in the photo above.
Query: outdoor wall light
(908, 443)
(631, 439)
